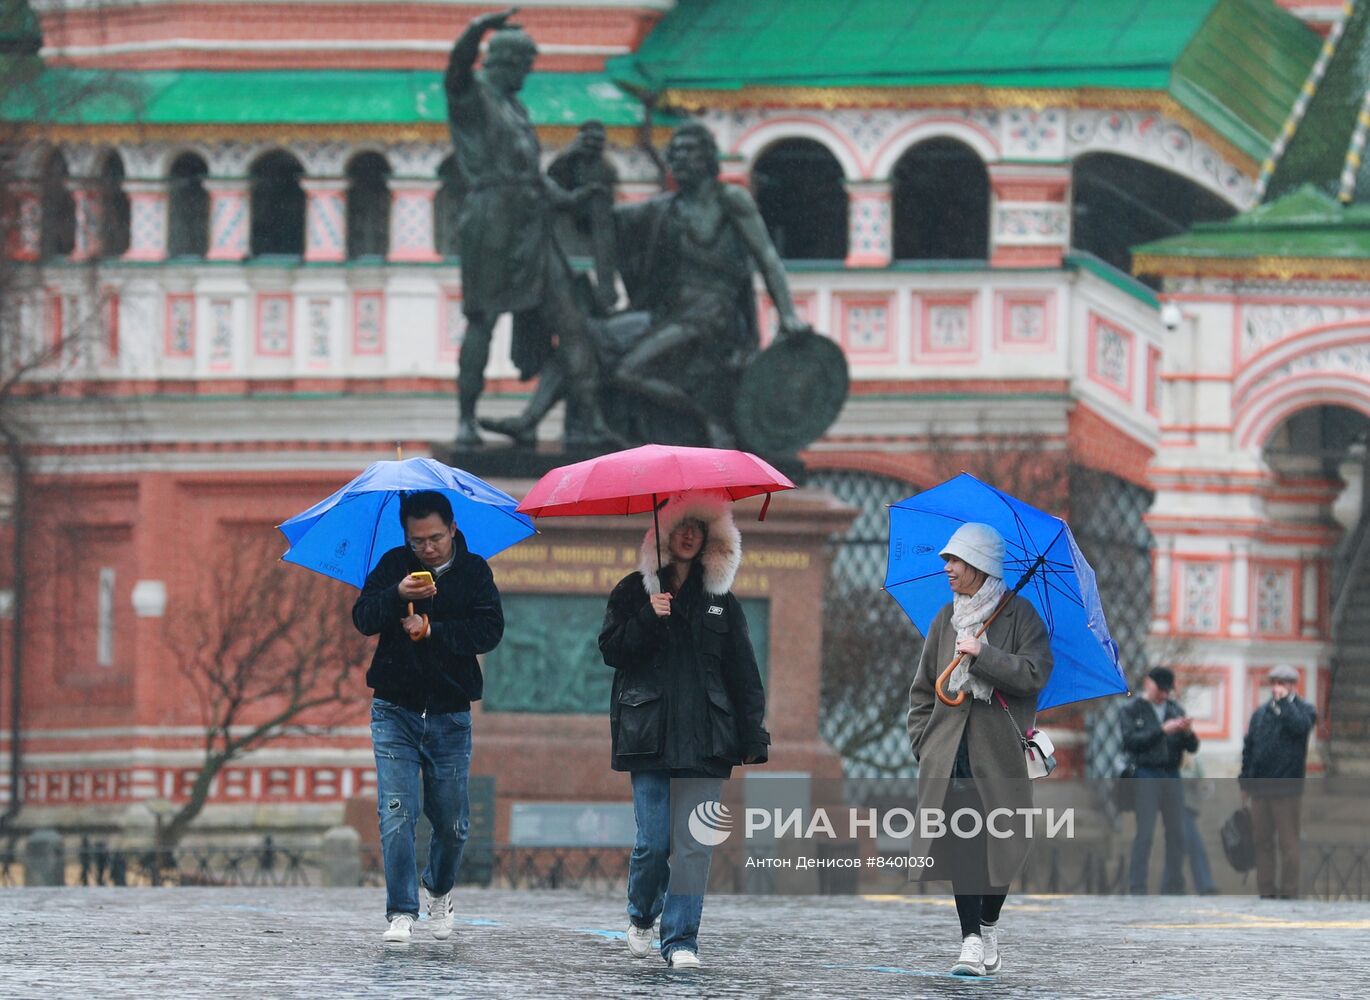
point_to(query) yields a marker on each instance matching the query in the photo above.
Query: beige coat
(1016, 659)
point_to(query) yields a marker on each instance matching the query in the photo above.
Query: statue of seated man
(671, 363)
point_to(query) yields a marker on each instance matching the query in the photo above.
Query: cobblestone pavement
(325, 943)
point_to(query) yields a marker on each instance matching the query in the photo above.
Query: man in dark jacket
(687, 703)
(1156, 735)
(435, 607)
(1274, 756)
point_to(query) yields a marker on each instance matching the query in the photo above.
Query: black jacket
(687, 694)
(439, 673)
(1275, 751)
(1148, 745)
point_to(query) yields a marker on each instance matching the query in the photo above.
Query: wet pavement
(326, 943)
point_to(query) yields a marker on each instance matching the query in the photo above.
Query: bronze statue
(510, 261)
(686, 258)
(581, 166)
(681, 365)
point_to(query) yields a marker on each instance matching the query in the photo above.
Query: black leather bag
(1238, 842)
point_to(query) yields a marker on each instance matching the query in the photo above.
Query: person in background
(1191, 775)
(1274, 759)
(1156, 735)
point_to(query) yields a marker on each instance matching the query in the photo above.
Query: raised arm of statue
(745, 217)
(467, 48)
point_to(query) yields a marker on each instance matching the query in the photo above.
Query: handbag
(1038, 752)
(1238, 843)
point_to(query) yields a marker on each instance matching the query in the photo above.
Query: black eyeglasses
(431, 541)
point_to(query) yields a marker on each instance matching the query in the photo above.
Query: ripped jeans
(437, 750)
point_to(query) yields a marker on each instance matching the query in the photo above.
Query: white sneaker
(440, 915)
(399, 930)
(639, 940)
(682, 959)
(989, 937)
(972, 960)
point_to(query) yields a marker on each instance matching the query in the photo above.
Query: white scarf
(968, 613)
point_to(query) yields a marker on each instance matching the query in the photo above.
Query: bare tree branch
(270, 651)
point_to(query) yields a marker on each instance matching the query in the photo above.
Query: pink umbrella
(635, 481)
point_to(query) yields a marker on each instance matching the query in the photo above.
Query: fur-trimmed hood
(722, 553)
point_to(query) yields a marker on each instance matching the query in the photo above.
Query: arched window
(188, 208)
(59, 210)
(277, 205)
(447, 209)
(941, 203)
(798, 188)
(368, 206)
(114, 210)
(1118, 203)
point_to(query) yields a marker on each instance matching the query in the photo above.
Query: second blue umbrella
(345, 535)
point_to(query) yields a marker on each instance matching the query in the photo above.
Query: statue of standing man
(510, 262)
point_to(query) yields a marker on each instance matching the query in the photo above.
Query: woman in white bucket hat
(969, 753)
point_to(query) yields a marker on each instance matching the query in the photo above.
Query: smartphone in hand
(422, 576)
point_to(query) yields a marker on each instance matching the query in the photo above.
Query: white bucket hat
(977, 545)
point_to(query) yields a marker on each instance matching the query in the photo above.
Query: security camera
(1171, 315)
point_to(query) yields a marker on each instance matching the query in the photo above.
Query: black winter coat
(440, 673)
(1275, 751)
(687, 694)
(1146, 743)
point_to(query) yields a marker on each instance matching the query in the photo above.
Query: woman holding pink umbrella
(687, 705)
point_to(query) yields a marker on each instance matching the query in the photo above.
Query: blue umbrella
(1041, 561)
(346, 535)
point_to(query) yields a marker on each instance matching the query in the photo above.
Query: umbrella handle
(945, 675)
(940, 686)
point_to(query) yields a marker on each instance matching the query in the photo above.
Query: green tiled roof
(1302, 217)
(1304, 223)
(1235, 64)
(1317, 151)
(294, 97)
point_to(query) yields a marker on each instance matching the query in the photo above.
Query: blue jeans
(437, 749)
(1158, 791)
(668, 869)
(1198, 857)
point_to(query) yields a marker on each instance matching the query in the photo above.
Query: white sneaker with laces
(639, 940)
(682, 959)
(440, 915)
(989, 937)
(399, 930)
(972, 960)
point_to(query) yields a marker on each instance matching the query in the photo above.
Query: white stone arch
(1284, 397)
(900, 142)
(103, 154)
(415, 159)
(754, 142)
(326, 159)
(171, 152)
(83, 160)
(231, 159)
(1340, 345)
(262, 150)
(1152, 138)
(361, 149)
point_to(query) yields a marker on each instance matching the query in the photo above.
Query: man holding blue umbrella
(435, 607)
